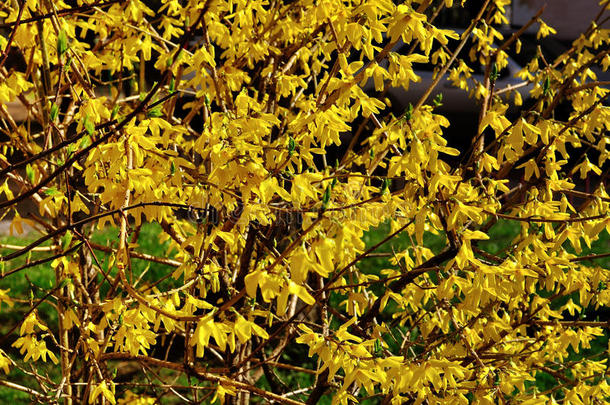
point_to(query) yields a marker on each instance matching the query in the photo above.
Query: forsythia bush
(215, 121)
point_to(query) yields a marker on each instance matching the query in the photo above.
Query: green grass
(33, 283)
(148, 242)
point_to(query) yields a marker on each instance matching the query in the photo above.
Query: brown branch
(202, 374)
(139, 255)
(41, 261)
(320, 387)
(291, 367)
(556, 374)
(61, 13)
(13, 32)
(27, 390)
(573, 324)
(402, 282)
(587, 86)
(590, 257)
(75, 225)
(244, 259)
(560, 221)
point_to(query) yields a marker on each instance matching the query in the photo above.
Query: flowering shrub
(214, 119)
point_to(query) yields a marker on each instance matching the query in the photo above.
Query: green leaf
(291, 146)
(378, 348)
(155, 113)
(62, 43)
(409, 112)
(66, 240)
(438, 100)
(172, 85)
(89, 126)
(326, 198)
(71, 148)
(115, 111)
(65, 282)
(546, 85)
(86, 141)
(133, 85)
(29, 171)
(385, 186)
(54, 111)
(51, 191)
(493, 76)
